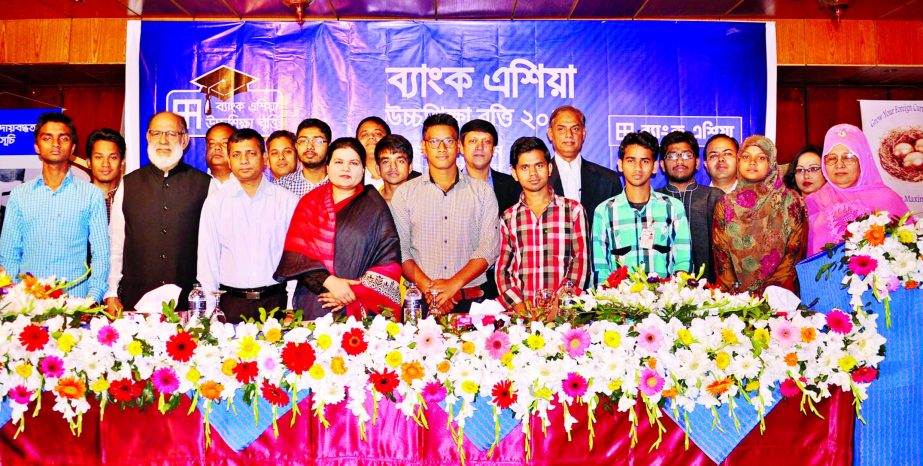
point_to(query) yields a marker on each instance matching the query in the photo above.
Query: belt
(472, 292)
(254, 293)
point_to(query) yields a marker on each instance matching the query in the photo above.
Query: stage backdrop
(626, 76)
(895, 131)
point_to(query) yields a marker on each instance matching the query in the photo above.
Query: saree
(352, 239)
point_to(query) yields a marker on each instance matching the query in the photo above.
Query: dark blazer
(699, 203)
(506, 189)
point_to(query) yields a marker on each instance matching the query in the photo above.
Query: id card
(647, 238)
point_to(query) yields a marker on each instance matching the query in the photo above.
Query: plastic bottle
(413, 304)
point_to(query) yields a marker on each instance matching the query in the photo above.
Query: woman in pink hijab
(854, 188)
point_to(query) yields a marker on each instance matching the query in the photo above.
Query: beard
(681, 179)
(165, 163)
(314, 165)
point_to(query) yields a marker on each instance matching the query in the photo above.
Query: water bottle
(567, 296)
(413, 304)
(197, 302)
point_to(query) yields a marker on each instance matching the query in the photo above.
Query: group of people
(348, 222)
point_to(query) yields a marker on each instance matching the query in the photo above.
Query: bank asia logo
(227, 95)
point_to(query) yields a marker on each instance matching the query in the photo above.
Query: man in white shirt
(216, 154)
(242, 234)
(369, 131)
(721, 161)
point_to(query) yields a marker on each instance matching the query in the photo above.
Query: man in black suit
(478, 139)
(573, 176)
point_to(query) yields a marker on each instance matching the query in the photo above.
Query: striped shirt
(617, 236)
(443, 230)
(540, 252)
(46, 233)
(297, 183)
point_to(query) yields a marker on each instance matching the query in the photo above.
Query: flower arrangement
(665, 339)
(882, 254)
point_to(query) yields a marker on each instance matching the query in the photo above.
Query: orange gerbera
(71, 388)
(876, 235)
(670, 392)
(411, 371)
(211, 390)
(443, 367)
(808, 334)
(719, 386)
(791, 359)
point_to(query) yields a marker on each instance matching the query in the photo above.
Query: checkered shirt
(296, 183)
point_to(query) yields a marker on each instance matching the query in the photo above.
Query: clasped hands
(440, 295)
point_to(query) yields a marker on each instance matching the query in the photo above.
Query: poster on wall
(624, 75)
(895, 131)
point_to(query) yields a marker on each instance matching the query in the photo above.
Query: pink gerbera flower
(862, 265)
(434, 392)
(789, 388)
(107, 336)
(839, 322)
(51, 367)
(429, 342)
(165, 381)
(784, 332)
(650, 338)
(576, 342)
(21, 394)
(651, 382)
(574, 385)
(498, 343)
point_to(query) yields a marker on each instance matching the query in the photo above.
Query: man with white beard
(154, 227)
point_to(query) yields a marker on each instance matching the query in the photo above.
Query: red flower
(56, 294)
(354, 342)
(33, 337)
(503, 394)
(620, 274)
(865, 375)
(245, 372)
(789, 388)
(181, 346)
(384, 382)
(273, 394)
(298, 357)
(125, 390)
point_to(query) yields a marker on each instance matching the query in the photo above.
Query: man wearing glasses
(447, 223)
(311, 141)
(721, 161)
(679, 159)
(154, 227)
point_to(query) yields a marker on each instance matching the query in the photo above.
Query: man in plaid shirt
(640, 228)
(543, 236)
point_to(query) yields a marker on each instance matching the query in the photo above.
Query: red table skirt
(147, 437)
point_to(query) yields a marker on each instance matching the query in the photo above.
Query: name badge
(647, 238)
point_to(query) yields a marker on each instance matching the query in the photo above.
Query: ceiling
(457, 9)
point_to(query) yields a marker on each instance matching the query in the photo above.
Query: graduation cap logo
(223, 82)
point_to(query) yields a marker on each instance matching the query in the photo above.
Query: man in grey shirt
(448, 224)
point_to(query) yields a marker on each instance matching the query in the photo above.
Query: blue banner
(706, 77)
(17, 130)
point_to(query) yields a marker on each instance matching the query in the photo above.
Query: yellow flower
(903, 235)
(808, 334)
(535, 341)
(5, 279)
(66, 341)
(507, 360)
(761, 337)
(316, 371)
(729, 337)
(469, 387)
(99, 385)
(273, 335)
(248, 348)
(468, 347)
(227, 367)
(394, 358)
(615, 385)
(134, 348)
(544, 393)
(722, 360)
(636, 287)
(685, 336)
(337, 365)
(752, 385)
(324, 341)
(393, 329)
(24, 370)
(612, 338)
(847, 363)
(193, 375)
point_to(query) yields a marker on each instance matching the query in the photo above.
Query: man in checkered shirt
(543, 236)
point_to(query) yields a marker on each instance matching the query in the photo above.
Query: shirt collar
(490, 175)
(575, 165)
(68, 178)
(674, 189)
(459, 180)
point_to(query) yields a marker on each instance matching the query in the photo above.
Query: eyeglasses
(674, 156)
(434, 143)
(834, 159)
(802, 170)
(171, 135)
(317, 140)
(724, 155)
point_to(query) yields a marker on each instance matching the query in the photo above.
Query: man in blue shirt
(51, 220)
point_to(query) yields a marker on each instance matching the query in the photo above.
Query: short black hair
(482, 126)
(720, 136)
(789, 177)
(281, 133)
(315, 123)
(374, 119)
(440, 119)
(220, 124)
(677, 137)
(526, 144)
(55, 117)
(247, 134)
(181, 119)
(643, 139)
(106, 134)
(346, 143)
(394, 143)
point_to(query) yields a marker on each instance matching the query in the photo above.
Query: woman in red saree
(342, 246)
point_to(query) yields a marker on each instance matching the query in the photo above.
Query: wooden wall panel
(98, 40)
(35, 41)
(846, 43)
(790, 122)
(790, 43)
(900, 42)
(828, 106)
(92, 108)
